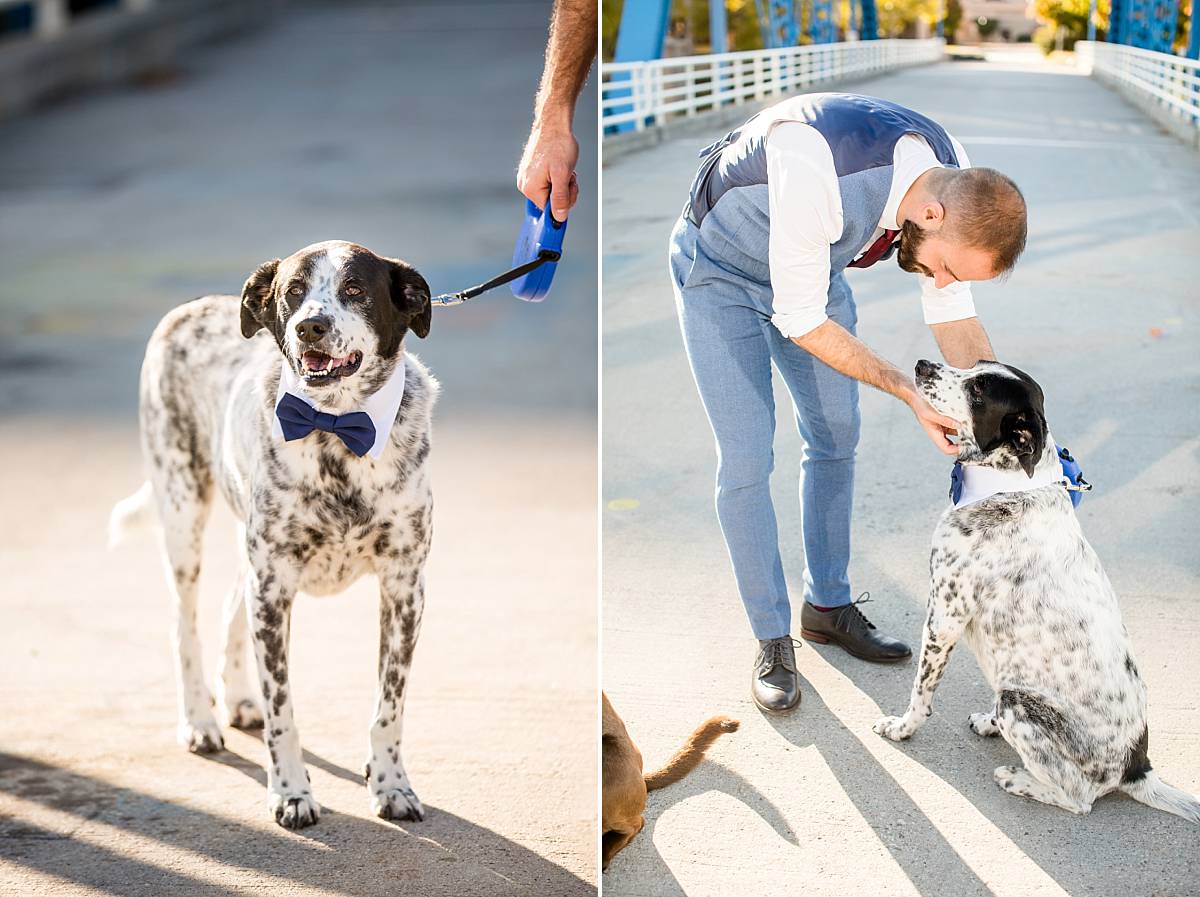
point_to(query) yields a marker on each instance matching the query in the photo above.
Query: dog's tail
(689, 756)
(1154, 792)
(131, 513)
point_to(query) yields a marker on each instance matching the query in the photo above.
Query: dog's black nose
(925, 368)
(312, 329)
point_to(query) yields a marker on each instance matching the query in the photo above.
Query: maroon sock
(824, 610)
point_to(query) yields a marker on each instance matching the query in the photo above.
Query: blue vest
(861, 132)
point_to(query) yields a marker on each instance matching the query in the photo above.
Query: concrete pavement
(397, 126)
(1103, 311)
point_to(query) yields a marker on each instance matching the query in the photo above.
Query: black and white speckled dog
(1013, 574)
(315, 516)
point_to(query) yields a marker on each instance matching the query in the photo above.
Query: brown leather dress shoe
(847, 628)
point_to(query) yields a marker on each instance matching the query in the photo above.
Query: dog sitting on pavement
(1012, 572)
(625, 786)
(300, 405)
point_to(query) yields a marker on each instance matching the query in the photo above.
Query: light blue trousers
(724, 299)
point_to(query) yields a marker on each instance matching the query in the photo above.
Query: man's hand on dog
(937, 426)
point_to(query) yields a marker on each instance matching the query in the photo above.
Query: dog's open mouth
(317, 367)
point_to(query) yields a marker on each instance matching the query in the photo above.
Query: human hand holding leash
(547, 170)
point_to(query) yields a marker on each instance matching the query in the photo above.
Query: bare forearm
(848, 355)
(569, 53)
(962, 343)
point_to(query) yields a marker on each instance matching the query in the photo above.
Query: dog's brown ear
(256, 298)
(1025, 432)
(410, 295)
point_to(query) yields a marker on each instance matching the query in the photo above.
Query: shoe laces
(852, 608)
(772, 653)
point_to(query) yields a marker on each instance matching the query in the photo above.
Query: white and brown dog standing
(325, 326)
(1012, 572)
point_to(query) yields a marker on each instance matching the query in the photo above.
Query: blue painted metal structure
(1149, 24)
(1116, 14)
(1193, 48)
(1152, 24)
(870, 21)
(642, 31)
(718, 29)
(644, 24)
(779, 23)
(822, 26)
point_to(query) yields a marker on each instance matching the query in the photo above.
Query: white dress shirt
(806, 219)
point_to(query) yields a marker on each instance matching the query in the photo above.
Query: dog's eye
(352, 290)
(295, 290)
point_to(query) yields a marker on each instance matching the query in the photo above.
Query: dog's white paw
(893, 728)
(293, 809)
(391, 794)
(244, 713)
(983, 724)
(396, 803)
(200, 736)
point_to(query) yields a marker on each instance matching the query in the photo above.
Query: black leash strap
(544, 256)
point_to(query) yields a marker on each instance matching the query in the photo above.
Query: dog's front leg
(401, 601)
(944, 625)
(270, 589)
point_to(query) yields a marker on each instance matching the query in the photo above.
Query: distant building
(1013, 21)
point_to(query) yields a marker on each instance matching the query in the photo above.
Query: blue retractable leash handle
(1075, 484)
(535, 257)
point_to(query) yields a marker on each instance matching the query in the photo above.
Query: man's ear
(256, 297)
(410, 295)
(1025, 433)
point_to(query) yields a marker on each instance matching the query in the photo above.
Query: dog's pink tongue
(315, 362)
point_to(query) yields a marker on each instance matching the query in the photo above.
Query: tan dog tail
(689, 756)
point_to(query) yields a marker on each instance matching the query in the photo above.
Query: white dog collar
(979, 482)
(381, 406)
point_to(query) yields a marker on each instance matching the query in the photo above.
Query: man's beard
(911, 238)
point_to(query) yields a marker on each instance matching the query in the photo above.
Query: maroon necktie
(876, 250)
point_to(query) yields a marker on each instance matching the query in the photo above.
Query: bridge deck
(1103, 311)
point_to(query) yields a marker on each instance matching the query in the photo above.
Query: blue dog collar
(1073, 479)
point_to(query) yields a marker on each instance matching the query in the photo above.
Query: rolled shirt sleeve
(806, 218)
(952, 302)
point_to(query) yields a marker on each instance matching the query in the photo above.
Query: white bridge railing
(637, 95)
(1161, 83)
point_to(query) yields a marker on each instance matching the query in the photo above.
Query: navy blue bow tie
(297, 419)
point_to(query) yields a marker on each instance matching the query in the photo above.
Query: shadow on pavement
(928, 860)
(715, 777)
(341, 854)
(1117, 830)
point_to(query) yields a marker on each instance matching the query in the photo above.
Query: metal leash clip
(1072, 476)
